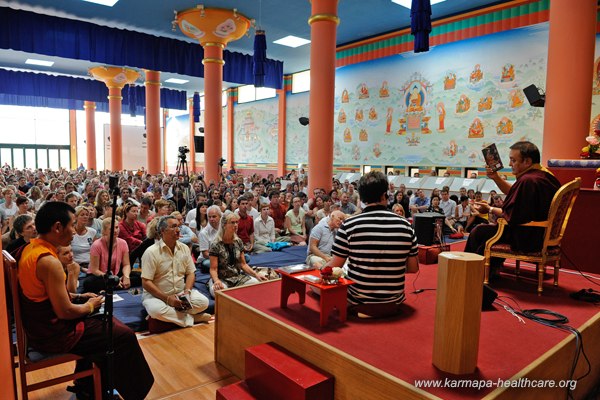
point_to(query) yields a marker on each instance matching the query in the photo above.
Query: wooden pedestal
(458, 312)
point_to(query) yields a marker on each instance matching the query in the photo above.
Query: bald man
(321, 239)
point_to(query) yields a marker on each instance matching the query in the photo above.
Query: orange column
(281, 130)
(73, 138)
(569, 77)
(192, 165)
(116, 131)
(230, 122)
(90, 133)
(164, 150)
(213, 110)
(153, 121)
(323, 24)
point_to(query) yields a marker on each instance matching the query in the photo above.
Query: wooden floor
(182, 362)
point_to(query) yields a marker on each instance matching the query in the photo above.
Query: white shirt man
(168, 273)
(207, 235)
(448, 205)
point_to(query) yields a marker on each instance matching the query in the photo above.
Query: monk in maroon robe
(528, 199)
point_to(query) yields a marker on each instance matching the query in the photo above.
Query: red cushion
(505, 248)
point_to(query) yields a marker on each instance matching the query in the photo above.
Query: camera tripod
(184, 184)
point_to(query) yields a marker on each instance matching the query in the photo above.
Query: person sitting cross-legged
(168, 273)
(321, 239)
(228, 267)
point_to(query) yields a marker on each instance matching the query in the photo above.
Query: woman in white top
(295, 224)
(83, 238)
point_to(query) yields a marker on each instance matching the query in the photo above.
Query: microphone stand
(111, 281)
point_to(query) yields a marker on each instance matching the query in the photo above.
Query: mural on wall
(595, 123)
(296, 141)
(441, 107)
(255, 132)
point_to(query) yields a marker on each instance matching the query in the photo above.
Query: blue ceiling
(279, 18)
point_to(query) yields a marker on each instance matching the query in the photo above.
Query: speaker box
(533, 96)
(424, 224)
(489, 296)
(199, 144)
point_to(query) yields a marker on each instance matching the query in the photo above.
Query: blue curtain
(41, 90)
(42, 34)
(420, 24)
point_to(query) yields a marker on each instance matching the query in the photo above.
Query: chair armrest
(540, 224)
(501, 224)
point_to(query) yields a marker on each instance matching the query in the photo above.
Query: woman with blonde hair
(99, 265)
(228, 267)
(83, 238)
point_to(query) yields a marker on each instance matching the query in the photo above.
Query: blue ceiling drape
(53, 36)
(41, 90)
(420, 24)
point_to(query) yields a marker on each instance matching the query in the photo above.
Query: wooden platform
(239, 325)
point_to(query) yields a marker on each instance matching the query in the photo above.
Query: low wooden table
(332, 296)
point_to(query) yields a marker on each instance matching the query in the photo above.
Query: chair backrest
(560, 211)
(10, 266)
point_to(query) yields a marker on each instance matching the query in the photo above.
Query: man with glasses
(168, 275)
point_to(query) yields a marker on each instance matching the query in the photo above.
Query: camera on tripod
(183, 150)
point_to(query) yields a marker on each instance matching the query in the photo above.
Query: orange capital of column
(116, 130)
(323, 24)
(213, 110)
(90, 133)
(153, 121)
(569, 78)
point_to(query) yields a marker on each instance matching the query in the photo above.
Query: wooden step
(273, 373)
(235, 391)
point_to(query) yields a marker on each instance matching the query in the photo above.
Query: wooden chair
(26, 363)
(554, 229)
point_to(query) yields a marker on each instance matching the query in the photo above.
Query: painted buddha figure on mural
(415, 100)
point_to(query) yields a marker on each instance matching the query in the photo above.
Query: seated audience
(186, 235)
(132, 231)
(321, 239)
(398, 209)
(83, 238)
(264, 230)
(207, 235)
(245, 229)
(168, 273)
(24, 231)
(98, 267)
(295, 224)
(228, 267)
(419, 203)
(72, 269)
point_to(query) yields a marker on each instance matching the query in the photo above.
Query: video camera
(183, 150)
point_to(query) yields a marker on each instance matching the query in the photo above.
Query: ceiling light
(108, 3)
(292, 41)
(176, 81)
(408, 3)
(43, 63)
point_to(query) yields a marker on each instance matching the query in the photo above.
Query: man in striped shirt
(380, 246)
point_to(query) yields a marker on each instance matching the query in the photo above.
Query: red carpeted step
(274, 373)
(235, 391)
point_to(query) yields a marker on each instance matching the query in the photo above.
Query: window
(248, 93)
(301, 82)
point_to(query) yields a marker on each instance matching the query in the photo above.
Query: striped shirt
(377, 244)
